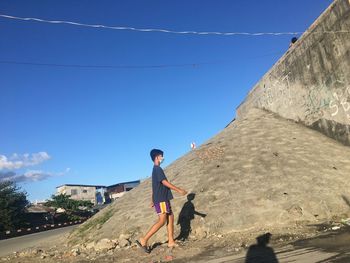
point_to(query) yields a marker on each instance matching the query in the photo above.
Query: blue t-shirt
(161, 193)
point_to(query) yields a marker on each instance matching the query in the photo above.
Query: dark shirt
(161, 193)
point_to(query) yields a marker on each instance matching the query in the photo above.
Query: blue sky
(62, 125)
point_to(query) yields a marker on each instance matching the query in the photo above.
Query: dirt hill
(260, 173)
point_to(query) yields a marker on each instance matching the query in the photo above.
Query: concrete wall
(311, 82)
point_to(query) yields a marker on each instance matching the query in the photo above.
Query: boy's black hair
(155, 152)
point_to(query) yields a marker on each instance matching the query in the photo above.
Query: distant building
(117, 190)
(96, 194)
(82, 192)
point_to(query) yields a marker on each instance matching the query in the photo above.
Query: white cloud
(29, 176)
(33, 176)
(17, 161)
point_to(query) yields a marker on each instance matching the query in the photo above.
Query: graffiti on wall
(340, 102)
(317, 99)
(278, 89)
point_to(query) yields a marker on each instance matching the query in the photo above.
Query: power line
(106, 66)
(160, 66)
(149, 29)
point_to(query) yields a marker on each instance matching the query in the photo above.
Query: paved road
(8, 246)
(331, 247)
(306, 255)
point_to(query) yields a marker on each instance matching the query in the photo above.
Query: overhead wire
(159, 66)
(103, 66)
(139, 30)
(149, 29)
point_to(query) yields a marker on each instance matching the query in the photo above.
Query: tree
(13, 202)
(64, 201)
(71, 206)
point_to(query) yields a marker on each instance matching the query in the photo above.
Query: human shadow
(186, 215)
(155, 245)
(260, 252)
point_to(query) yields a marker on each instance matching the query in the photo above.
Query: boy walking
(161, 196)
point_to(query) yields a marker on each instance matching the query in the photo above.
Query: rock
(124, 243)
(36, 251)
(346, 221)
(75, 252)
(124, 236)
(105, 244)
(90, 245)
(124, 240)
(25, 253)
(200, 233)
(295, 210)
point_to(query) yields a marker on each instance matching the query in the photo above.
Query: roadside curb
(31, 230)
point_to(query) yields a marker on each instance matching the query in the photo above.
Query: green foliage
(71, 206)
(13, 202)
(64, 201)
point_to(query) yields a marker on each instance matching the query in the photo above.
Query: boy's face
(160, 158)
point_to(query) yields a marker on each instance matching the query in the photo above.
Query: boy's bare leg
(170, 228)
(162, 218)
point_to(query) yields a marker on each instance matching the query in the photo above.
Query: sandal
(145, 248)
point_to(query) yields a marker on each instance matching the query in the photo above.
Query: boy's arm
(173, 187)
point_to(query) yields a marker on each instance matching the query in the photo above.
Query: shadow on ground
(333, 242)
(261, 252)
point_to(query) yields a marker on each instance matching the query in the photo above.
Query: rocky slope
(260, 173)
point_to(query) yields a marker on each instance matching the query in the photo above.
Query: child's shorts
(163, 208)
